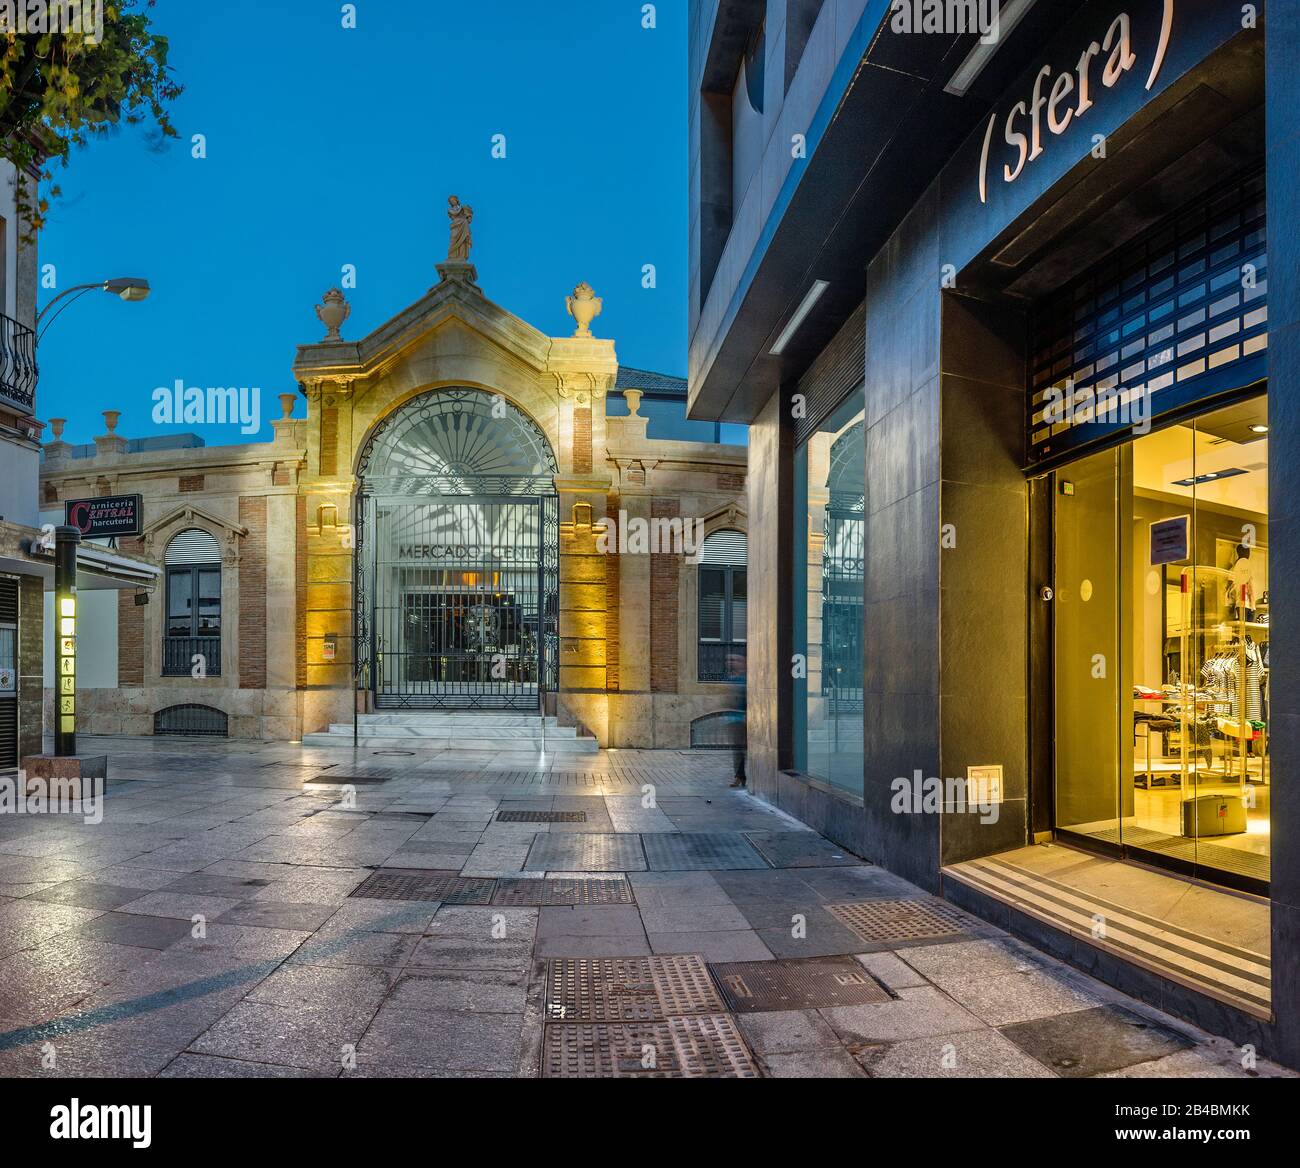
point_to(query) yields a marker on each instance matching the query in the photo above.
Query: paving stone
(86, 894)
(800, 849)
(786, 1031)
(829, 1063)
(677, 889)
(267, 914)
(731, 945)
(203, 1066)
(179, 905)
(147, 932)
(697, 851)
(468, 991)
(584, 852)
(313, 1036)
(212, 884)
(590, 921)
(891, 970)
(1092, 1042)
(445, 1041)
(915, 1013)
(972, 1054)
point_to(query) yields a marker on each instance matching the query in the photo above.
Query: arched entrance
(457, 556)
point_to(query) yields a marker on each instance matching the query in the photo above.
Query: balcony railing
(179, 654)
(17, 365)
(716, 662)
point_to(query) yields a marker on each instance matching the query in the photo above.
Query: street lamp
(128, 288)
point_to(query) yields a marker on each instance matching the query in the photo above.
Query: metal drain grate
(901, 920)
(697, 1047)
(752, 987)
(628, 989)
(541, 817)
(349, 780)
(293, 766)
(449, 887)
(562, 892)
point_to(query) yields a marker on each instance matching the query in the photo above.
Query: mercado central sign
(1061, 97)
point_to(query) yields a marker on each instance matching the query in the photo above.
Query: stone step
(447, 717)
(452, 729)
(380, 737)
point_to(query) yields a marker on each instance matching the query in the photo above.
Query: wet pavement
(272, 910)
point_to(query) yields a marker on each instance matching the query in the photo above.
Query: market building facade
(1012, 319)
(436, 540)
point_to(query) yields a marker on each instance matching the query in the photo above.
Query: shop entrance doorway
(1163, 661)
(457, 557)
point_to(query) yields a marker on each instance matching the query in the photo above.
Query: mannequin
(1241, 585)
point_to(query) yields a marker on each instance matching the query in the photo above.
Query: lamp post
(128, 288)
(66, 542)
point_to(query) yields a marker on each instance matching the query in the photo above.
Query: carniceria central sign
(1058, 98)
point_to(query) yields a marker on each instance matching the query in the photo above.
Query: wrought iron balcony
(179, 653)
(17, 365)
(722, 661)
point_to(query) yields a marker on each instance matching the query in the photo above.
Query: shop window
(192, 632)
(723, 606)
(1163, 662)
(829, 593)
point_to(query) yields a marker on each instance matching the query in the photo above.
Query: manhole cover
(627, 989)
(804, 984)
(697, 1047)
(520, 892)
(541, 817)
(901, 920)
(668, 851)
(585, 852)
(445, 886)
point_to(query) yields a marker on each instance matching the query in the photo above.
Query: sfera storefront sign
(1060, 97)
(110, 515)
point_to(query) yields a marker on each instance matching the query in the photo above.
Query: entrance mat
(668, 851)
(541, 817)
(585, 852)
(752, 987)
(533, 893)
(1203, 851)
(407, 884)
(628, 989)
(701, 1046)
(902, 920)
(800, 849)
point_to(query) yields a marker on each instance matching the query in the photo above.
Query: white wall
(96, 639)
(19, 471)
(9, 242)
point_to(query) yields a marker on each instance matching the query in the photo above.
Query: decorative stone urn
(110, 419)
(584, 306)
(287, 401)
(56, 428)
(633, 399)
(332, 311)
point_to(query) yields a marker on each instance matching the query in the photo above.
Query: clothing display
(1222, 675)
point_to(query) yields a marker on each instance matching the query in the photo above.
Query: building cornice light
(800, 315)
(1010, 15)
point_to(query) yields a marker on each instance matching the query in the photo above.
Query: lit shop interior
(1162, 647)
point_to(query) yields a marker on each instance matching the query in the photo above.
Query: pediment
(449, 304)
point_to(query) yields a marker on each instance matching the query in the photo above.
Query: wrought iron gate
(462, 612)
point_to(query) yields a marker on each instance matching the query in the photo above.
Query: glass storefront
(829, 588)
(1162, 647)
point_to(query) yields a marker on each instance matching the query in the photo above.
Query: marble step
(380, 737)
(452, 729)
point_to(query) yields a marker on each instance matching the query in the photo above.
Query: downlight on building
(438, 537)
(1013, 321)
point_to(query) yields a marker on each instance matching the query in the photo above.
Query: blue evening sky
(328, 147)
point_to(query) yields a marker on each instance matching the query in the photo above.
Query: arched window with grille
(193, 625)
(723, 597)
